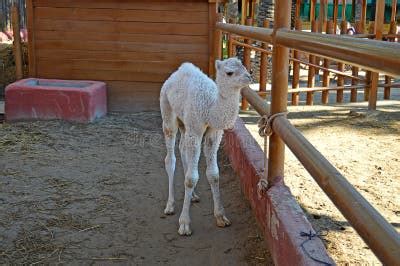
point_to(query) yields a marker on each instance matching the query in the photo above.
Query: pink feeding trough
(43, 99)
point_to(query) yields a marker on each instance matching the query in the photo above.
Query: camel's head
(232, 73)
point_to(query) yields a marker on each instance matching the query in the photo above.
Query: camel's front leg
(191, 148)
(212, 141)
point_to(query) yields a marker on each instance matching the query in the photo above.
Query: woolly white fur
(197, 106)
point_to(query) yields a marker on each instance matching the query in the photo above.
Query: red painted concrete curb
(40, 99)
(278, 213)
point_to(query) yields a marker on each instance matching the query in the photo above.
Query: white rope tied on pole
(265, 130)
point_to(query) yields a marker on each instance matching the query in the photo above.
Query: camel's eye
(229, 73)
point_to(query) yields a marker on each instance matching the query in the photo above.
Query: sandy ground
(365, 149)
(94, 194)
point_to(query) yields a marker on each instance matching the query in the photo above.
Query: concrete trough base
(41, 99)
(278, 213)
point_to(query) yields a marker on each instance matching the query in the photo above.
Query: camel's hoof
(195, 198)
(184, 229)
(222, 221)
(169, 209)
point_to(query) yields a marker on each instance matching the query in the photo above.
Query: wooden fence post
(17, 42)
(340, 79)
(296, 69)
(311, 70)
(279, 91)
(264, 64)
(247, 61)
(326, 74)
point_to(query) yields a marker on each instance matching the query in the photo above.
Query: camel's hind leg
(195, 197)
(170, 128)
(212, 140)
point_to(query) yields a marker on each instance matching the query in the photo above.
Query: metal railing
(376, 56)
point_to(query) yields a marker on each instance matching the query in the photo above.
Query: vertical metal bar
(379, 20)
(280, 65)
(353, 95)
(264, 63)
(343, 10)
(354, 69)
(335, 14)
(296, 69)
(323, 15)
(326, 76)
(312, 10)
(247, 61)
(340, 79)
(392, 30)
(363, 15)
(311, 70)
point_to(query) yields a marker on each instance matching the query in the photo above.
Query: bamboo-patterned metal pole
(354, 69)
(17, 41)
(371, 29)
(230, 40)
(323, 15)
(363, 15)
(311, 70)
(340, 79)
(326, 74)
(264, 63)
(279, 91)
(392, 30)
(247, 61)
(296, 69)
(335, 14)
(312, 10)
(379, 20)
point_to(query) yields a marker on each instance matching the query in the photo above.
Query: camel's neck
(224, 111)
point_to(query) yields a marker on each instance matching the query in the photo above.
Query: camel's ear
(218, 64)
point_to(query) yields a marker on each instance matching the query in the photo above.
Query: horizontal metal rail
(373, 55)
(269, 52)
(260, 34)
(378, 233)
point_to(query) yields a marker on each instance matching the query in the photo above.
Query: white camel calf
(194, 104)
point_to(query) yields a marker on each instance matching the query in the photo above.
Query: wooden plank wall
(132, 45)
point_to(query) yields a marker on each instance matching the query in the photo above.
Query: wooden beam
(31, 38)
(17, 41)
(212, 20)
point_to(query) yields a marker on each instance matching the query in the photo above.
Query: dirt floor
(95, 194)
(365, 149)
